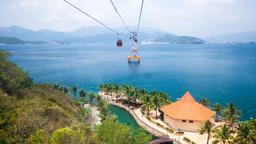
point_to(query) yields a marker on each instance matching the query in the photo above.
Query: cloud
(29, 3)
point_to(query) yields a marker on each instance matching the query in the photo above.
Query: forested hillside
(46, 113)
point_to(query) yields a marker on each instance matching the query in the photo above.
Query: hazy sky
(189, 17)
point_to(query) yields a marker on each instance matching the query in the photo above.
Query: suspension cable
(120, 16)
(142, 3)
(92, 17)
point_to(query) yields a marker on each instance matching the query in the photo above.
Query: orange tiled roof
(187, 108)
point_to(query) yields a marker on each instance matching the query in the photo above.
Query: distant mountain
(235, 37)
(10, 40)
(88, 31)
(174, 39)
(95, 34)
(30, 35)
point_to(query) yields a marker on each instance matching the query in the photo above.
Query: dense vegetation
(148, 100)
(44, 113)
(234, 131)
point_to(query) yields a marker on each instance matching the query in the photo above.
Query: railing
(150, 129)
(140, 122)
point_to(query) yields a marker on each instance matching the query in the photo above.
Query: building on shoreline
(186, 114)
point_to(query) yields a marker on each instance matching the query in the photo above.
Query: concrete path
(155, 129)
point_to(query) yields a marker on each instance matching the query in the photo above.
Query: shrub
(66, 136)
(39, 137)
(12, 78)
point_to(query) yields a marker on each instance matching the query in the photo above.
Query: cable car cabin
(119, 43)
(134, 59)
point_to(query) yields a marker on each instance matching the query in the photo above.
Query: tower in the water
(134, 54)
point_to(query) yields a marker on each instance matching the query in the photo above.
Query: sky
(201, 18)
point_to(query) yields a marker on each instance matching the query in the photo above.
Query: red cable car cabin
(119, 43)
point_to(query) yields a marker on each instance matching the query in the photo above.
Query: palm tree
(207, 128)
(115, 90)
(165, 99)
(217, 108)
(120, 91)
(74, 90)
(82, 94)
(56, 86)
(231, 114)
(246, 132)
(130, 91)
(101, 87)
(92, 96)
(156, 100)
(109, 89)
(98, 99)
(61, 88)
(204, 101)
(222, 135)
(135, 95)
(147, 103)
(65, 90)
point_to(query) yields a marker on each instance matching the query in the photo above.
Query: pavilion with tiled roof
(186, 114)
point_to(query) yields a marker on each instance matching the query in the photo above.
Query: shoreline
(138, 121)
(157, 127)
(140, 118)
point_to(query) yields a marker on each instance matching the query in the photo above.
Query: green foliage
(74, 90)
(231, 114)
(207, 128)
(223, 135)
(103, 108)
(246, 132)
(66, 136)
(86, 112)
(12, 78)
(65, 90)
(39, 137)
(141, 137)
(41, 108)
(112, 132)
(149, 101)
(217, 108)
(204, 101)
(92, 96)
(46, 115)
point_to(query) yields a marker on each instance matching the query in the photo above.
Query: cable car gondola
(119, 43)
(134, 51)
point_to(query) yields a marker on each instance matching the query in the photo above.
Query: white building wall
(184, 126)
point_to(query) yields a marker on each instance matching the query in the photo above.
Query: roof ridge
(187, 97)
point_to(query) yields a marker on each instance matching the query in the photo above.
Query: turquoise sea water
(123, 116)
(223, 73)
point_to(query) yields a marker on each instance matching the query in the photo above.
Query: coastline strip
(140, 122)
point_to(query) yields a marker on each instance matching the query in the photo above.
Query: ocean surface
(223, 73)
